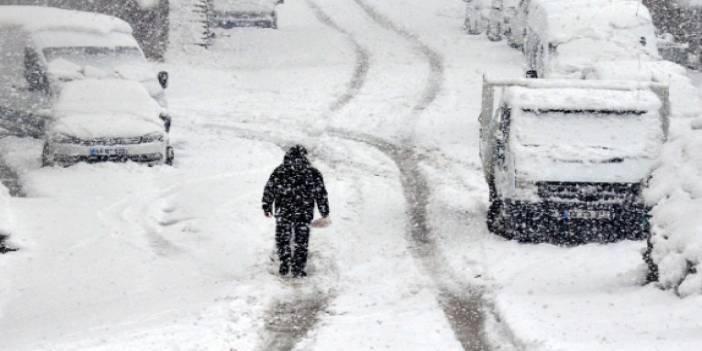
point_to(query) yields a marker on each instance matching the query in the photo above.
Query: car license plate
(586, 214)
(107, 151)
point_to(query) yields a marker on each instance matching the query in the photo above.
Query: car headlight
(152, 137)
(61, 138)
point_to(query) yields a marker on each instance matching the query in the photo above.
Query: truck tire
(495, 215)
(46, 159)
(494, 32)
(472, 27)
(652, 274)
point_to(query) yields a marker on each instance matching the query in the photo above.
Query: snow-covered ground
(122, 256)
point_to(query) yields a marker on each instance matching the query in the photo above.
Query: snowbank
(677, 225)
(34, 18)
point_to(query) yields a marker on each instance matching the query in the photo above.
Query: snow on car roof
(560, 21)
(36, 18)
(107, 95)
(690, 3)
(571, 98)
(245, 5)
(62, 38)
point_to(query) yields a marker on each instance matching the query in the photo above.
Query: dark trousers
(284, 237)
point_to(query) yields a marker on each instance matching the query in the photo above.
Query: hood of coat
(296, 158)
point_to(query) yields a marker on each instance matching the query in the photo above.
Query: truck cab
(568, 160)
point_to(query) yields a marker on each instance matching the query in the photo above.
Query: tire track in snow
(360, 73)
(465, 312)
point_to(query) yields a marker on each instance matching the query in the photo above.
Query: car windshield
(590, 136)
(101, 57)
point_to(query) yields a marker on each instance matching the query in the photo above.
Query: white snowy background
(126, 257)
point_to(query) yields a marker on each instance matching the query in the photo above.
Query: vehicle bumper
(576, 221)
(68, 154)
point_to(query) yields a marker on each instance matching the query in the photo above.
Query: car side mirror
(166, 118)
(163, 79)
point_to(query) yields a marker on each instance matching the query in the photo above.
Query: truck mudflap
(574, 223)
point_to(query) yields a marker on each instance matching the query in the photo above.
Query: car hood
(105, 125)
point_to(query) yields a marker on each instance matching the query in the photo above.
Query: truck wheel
(493, 32)
(274, 22)
(47, 159)
(495, 216)
(495, 219)
(170, 155)
(472, 27)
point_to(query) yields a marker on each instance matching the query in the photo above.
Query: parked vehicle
(244, 13)
(43, 48)
(566, 160)
(502, 13)
(517, 25)
(564, 38)
(106, 120)
(477, 15)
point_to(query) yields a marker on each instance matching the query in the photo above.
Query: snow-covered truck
(567, 160)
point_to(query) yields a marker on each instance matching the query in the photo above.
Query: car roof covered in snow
(244, 5)
(559, 21)
(105, 96)
(36, 18)
(67, 38)
(690, 3)
(581, 98)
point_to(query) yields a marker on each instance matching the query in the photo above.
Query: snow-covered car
(106, 120)
(564, 38)
(517, 25)
(43, 48)
(244, 13)
(477, 16)
(567, 160)
(502, 13)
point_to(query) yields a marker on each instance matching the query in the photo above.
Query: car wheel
(472, 27)
(274, 22)
(495, 217)
(47, 160)
(493, 32)
(170, 155)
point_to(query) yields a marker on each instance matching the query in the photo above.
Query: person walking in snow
(290, 195)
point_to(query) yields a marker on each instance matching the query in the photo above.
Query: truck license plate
(587, 214)
(106, 151)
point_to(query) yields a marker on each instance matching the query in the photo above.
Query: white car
(106, 120)
(516, 34)
(43, 48)
(502, 12)
(565, 38)
(244, 13)
(477, 16)
(566, 160)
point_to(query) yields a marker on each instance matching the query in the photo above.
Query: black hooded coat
(294, 187)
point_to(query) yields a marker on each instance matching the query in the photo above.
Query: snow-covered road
(386, 95)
